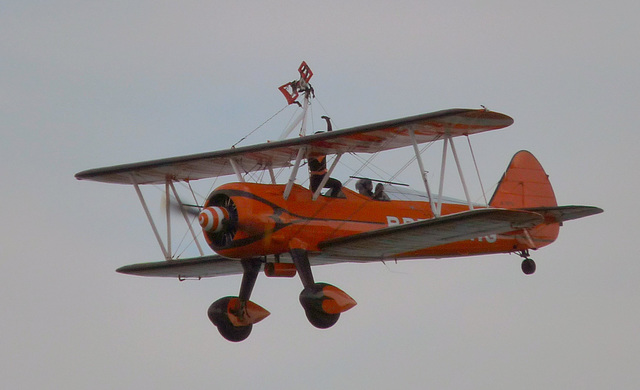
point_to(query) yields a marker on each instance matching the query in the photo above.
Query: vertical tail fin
(524, 184)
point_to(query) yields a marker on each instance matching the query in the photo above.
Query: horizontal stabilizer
(564, 213)
(196, 267)
(387, 242)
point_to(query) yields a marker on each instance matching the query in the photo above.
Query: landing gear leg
(301, 261)
(251, 269)
(235, 316)
(322, 302)
(528, 265)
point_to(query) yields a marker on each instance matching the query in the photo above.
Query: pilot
(379, 193)
(317, 171)
(365, 187)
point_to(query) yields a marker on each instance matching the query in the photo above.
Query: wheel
(528, 266)
(320, 319)
(311, 299)
(234, 333)
(217, 313)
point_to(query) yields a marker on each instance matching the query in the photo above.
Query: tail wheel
(528, 266)
(218, 315)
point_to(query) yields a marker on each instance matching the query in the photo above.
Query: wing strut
(186, 219)
(464, 183)
(167, 211)
(294, 173)
(442, 169)
(326, 176)
(272, 174)
(448, 140)
(236, 169)
(169, 187)
(166, 254)
(473, 156)
(423, 172)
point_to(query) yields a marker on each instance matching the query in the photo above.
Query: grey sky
(86, 84)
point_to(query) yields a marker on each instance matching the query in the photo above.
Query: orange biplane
(284, 229)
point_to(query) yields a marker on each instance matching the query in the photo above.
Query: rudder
(524, 184)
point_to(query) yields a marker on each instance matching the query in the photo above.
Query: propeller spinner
(213, 218)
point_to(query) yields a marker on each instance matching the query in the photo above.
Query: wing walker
(284, 229)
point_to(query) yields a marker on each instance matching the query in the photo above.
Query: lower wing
(197, 267)
(374, 245)
(387, 242)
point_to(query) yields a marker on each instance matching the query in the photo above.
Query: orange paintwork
(280, 270)
(524, 184)
(302, 223)
(337, 300)
(267, 224)
(252, 314)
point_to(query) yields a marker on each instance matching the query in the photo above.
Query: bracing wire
(368, 164)
(313, 124)
(374, 155)
(324, 109)
(411, 160)
(193, 194)
(262, 124)
(293, 114)
(362, 166)
(178, 247)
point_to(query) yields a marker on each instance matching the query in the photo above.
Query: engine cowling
(238, 222)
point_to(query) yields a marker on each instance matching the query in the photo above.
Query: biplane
(283, 229)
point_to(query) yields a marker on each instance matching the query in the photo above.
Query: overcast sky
(90, 84)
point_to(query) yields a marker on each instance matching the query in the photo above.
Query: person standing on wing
(318, 169)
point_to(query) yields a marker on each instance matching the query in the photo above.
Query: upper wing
(387, 242)
(363, 139)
